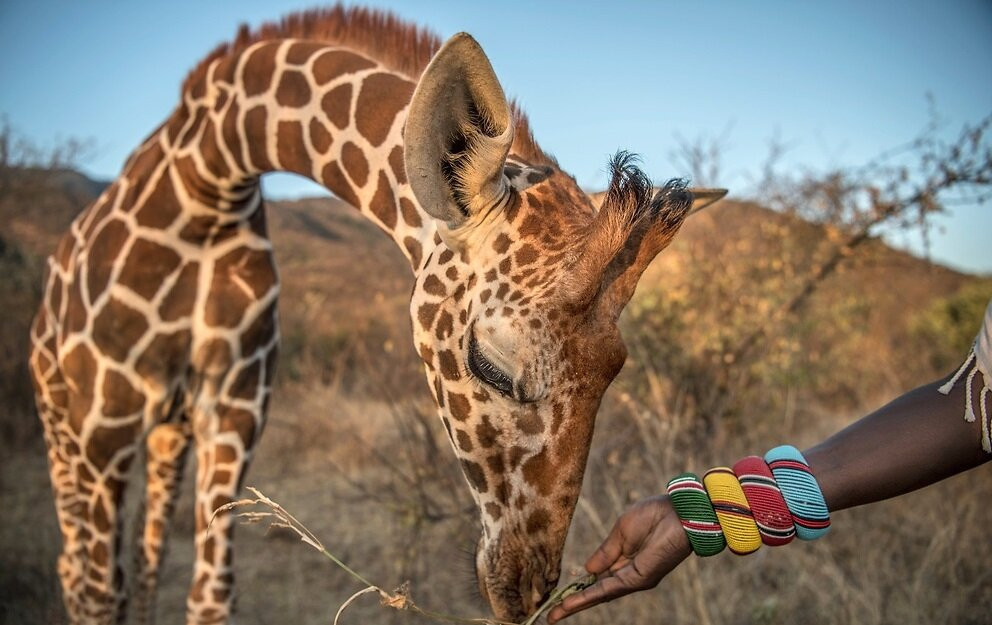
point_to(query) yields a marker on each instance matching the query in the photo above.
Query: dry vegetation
(354, 451)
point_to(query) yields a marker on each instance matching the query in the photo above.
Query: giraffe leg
(91, 504)
(166, 448)
(222, 459)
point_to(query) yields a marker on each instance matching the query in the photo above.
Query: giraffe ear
(458, 133)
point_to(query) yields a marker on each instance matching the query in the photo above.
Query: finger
(607, 553)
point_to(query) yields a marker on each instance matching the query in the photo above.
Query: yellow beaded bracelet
(732, 510)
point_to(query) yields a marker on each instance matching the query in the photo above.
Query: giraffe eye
(482, 368)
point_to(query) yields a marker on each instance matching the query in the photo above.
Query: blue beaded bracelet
(801, 492)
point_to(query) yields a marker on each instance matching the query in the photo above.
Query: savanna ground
(757, 327)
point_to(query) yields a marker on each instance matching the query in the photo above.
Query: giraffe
(158, 334)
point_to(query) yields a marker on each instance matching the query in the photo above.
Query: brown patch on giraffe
(225, 454)
(335, 180)
(336, 104)
(103, 443)
(300, 52)
(459, 406)
(413, 248)
(241, 276)
(166, 356)
(117, 328)
(213, 158)
(334, 63)
(452, 274)
(526, 255)
(426, 314)
(161, 208)
(355, 163)
(150, 156)
(255, 126)
(503, 289)
(476, 476)
(531, 227)
(515, 455)
(427, 355)
(259, 69)
(505, 266)
(530, 422)
(496, 463)
(383, 204)
(120, 398)
(179, 302)
(538, 521)
(445, 257)
(319, 136)
(246, 383)
(260, 331)
(502, 243)
(292, 149)
(464, 440)
(397, 165)
(494, 510)
(103, 251)
(512, 207)
(293, 90)
(381, 98)
(448, 365)
(445, 325)
(231, 131)
(410, 214)
(198, 228)
(539, 473)
(485, 433)
(433, 285)
(237, 420)
(148, 264)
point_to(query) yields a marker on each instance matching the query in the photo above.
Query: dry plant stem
(399, 599)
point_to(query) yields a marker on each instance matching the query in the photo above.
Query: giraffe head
(515, 311)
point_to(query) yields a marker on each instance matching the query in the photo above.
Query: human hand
(645, 544)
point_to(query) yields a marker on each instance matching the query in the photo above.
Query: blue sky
(839, 81)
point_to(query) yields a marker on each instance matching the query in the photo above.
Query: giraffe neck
(323, 112)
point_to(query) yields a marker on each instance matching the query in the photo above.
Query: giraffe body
(158, 329)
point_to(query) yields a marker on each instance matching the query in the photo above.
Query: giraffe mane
(399, 45)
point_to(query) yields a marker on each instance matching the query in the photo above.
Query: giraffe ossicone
(158, 326)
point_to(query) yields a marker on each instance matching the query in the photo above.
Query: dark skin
(915, 440)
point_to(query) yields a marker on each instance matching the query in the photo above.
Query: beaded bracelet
(732, 510)
(696, 514)
(771, 514)
(800, 490)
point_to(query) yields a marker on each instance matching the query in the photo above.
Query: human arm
(915, 440)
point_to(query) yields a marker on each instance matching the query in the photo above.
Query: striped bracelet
(800, 490)
(732, 510)
(696, 514)
(771, 515)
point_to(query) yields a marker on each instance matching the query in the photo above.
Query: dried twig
(398, 599)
